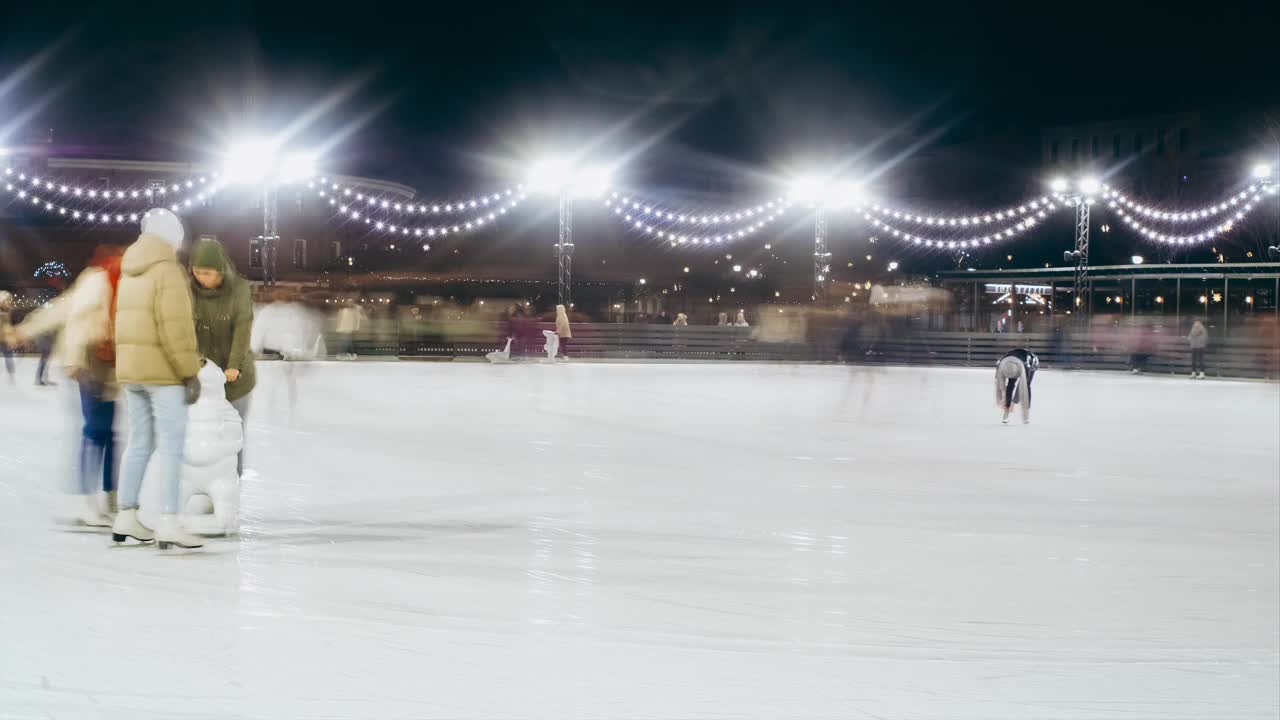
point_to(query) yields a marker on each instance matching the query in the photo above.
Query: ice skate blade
(121, 539)
(166, 544)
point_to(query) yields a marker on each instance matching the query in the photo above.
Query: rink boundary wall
(1250, 356)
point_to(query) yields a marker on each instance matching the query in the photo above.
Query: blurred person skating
(6, 317)
(156, 365)
(223, 311)
(294, 332)
(1014, 374)
(1198, 340)
(563, 330)
(722, 320)
(82, 318)
(741, 320)
(350, 320)
(682, 320)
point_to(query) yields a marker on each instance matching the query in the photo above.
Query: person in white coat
(82, 318)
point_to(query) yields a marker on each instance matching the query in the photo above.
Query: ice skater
(1014, 374)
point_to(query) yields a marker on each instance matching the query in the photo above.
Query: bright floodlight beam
(297, 166)
(1058, 184)
(807, 189)
(1089, 185)
(1261, 171)
(554, 176)
(250, 162)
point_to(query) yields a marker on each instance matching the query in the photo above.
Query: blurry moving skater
(563, 331)
(82, 317)
(290, 329)
(1014, 373)
(1198, 341)
(6, 310)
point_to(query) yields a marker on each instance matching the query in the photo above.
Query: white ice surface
(627, 541)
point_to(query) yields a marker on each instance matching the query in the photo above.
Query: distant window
(1184, 140)
(336, 248)
(255, 252)
(1160, 142)
(1053, 151)
(1115, 147)
(299, 253)
(1075, 149)
(1137, 143)
(1093, 150)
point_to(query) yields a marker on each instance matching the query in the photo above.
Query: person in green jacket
(224, 320)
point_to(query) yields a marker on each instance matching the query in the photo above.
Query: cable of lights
(655, 213)
(959, 221)
(352, 214)
(373, 203)
(680, 237)
(75, 191)
(1241, 211)
(1156, 214)
(1030, 219)
(31, 197)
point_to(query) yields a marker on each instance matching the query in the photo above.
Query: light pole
(566, 179)
(823, 193)
(260, 162)
(1079, 193)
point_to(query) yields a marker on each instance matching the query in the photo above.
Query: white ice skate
(127, 526)
(1005, 419)
(82, 511)
(171, 533)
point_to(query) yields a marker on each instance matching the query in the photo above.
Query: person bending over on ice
(1014, 373)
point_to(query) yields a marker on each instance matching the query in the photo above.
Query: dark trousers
(1197, 360)
(1011, 391)
(8, 357)
(564, 347)
(42, 370)
(97, 443)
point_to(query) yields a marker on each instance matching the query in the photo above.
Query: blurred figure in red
(83, 318)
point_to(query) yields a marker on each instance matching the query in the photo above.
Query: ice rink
(673, 541)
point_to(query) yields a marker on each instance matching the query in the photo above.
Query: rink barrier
(1245, 356)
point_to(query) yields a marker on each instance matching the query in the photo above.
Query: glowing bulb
(1058, 184)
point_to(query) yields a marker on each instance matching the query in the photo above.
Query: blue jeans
(157, 431)
(97, 441)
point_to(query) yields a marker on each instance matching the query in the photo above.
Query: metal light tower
(564, 251)
(1081, 254)
(270, 237)
(821, 257)
(1081, 195)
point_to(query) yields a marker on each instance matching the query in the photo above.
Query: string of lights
(656, 214)
(972, 220)
(459, 226)
(71, 190)
(1115, 197)
(1241, 209)
(1028, 219)
(675, 234)
(33, 198)
(354, 196)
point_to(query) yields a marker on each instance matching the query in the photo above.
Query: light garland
(1030, 218)
(657, 213)
(353, 196)
(430, 231)
(33, 198)
(680, 238)
(1026, 209)
(1241, 211)
(147, 194)
(1155, 214)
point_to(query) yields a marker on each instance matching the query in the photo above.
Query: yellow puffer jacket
(155, 326)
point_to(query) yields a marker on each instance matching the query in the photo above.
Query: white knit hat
(164, 224)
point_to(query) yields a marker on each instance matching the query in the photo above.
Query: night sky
(710, 103)
(698, 95)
